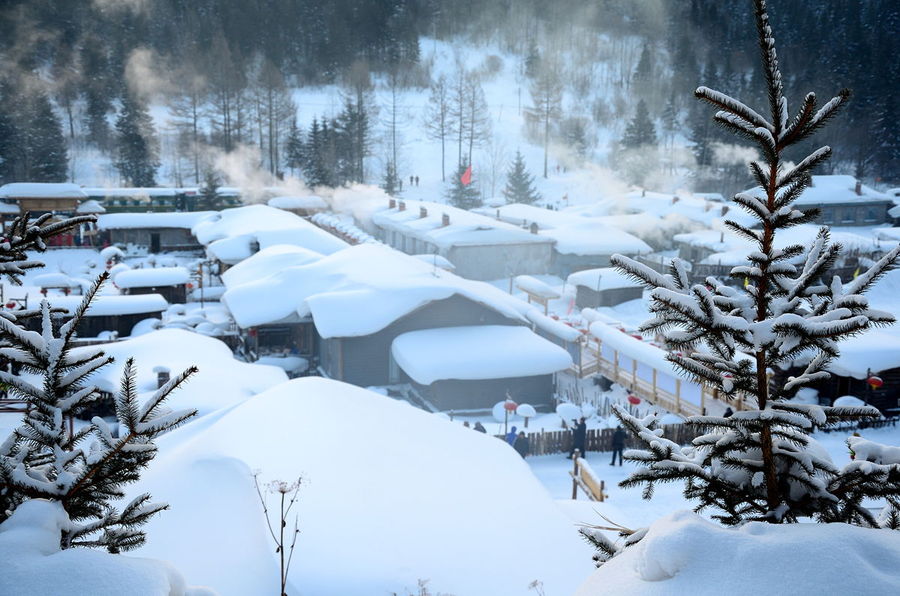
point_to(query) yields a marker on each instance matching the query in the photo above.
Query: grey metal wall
(588, 298)
(169, 238)
(498, 261)
(454, 394)
(565, 264)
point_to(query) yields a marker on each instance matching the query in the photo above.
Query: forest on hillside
(82, 73)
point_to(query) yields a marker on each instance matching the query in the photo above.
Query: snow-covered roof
(9, 208)
(436, 260)
(605, 278)
(230, 233)
(552, 326)
(592, 239)
(876, 351)
(466, 228)
(476, 352)
(136, 192)
(127, 221)
(152, 277)
(108, 305)
(41, 190)
(887, 233)
(57, 280)
(525, 215)
(834, 189)
(90, 206)
(358, 291)
(536, 287)
(267, 262)
(292, 202)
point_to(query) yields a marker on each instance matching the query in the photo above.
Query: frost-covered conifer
(84, 470)
(520, 184)
(761, 464)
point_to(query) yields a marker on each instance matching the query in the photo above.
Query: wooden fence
(560, 441)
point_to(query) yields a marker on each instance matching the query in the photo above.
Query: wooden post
(678, 395)
(654, 383)
(575, 457)
(616, 365)
(703, 400)
(602, 490)
(633, 373)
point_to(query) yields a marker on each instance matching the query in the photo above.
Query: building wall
(588, 298)
(498, 261)
(365, 360)
(169, 238)
(565, 264)
(172, 294)
(459, 395)
(856, 213)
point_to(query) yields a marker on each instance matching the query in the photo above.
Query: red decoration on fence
(875, 382)
(634, 400)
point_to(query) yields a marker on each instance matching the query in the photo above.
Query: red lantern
(875, 382)
(510, 406)
(634, 400)
(10, 305)
(189, 285)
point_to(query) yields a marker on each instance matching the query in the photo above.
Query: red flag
(466, 178)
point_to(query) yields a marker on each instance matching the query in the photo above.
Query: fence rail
(560, 441)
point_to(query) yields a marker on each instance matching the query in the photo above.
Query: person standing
(579, 437)
(511, 436)
(522, 444)
(618, 444)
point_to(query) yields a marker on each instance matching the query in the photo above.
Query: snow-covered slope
(390, 495)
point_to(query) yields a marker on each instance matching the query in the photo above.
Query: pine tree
(136, 150)
(9, 135)
(210, 199)
(520, 184)
(391, 183)
(758, 464)
(464, 196)
(46, 157)
(294, 148)
(640, 131)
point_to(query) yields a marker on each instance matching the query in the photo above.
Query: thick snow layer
(267, 262)
(34, 565)
(605, 278)
(41, 190)
(552, 326)
(108, 305)
(465, 227)
(534, 286)
(437, 260)
(136, 191)
(220, 382)
(683, 553)
(308, 202)
(834, 189)
(153, 277)
(875, 351)
(358, 291)
(90, 206)
(228, 234)
(56, 280)
(127, 221)
(593, 239)
(391, 495)
(477, 352)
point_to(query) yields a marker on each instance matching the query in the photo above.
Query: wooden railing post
(654, 384)
(575, 457)
(633, 374)
(678, 395)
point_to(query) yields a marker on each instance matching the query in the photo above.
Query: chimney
(858, 188)
(674, 200)
(445, 220)
(162, 375)
(721, 236)
(423, 212)
(707, 206)
(498, 214)
(254, 246)
(724, 209)
(402, 205)
(533, 227)
(392, 203)
(643, 192)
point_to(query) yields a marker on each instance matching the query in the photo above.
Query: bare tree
(438, 118)
(477, 116)
(546, 98)
(186, 112)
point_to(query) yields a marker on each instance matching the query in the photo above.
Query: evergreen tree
(640, 131)
(44, 146)
(759, 464)
(294, 148)
(391, 183)
(9, 135)
(520, 184)
(464, 196)
(136, 152)
(210, 199)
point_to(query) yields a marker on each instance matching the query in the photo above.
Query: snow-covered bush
(760, 464)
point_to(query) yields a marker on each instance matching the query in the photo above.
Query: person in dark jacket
(522, 444)
(480, 427)
(579, 436)
(511, 436)
(728, 412)
(618, 444)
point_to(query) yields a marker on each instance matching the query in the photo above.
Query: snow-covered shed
(107, 313)
(157, 232)
(480, 247)
(232, 235)
(43, 197)
(360, 299)
(603, 287)
(169, 282)
(843, 201)
(473, 367)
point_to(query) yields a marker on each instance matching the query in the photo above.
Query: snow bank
(683, 553)
(391, 495)
(477, 352)
(534, 286)
(34, 565)
(41, 190)
(152, 277)
(221, 381)
(90, 206)
(358, 291)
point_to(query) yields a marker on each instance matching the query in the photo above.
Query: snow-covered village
(449, 298)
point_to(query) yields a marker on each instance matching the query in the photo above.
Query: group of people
(8, 366)
(478, 426)
(579, 438)
(519, 441)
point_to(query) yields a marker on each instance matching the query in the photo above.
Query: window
(872, 214)
(847, 215)
(828, 215)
